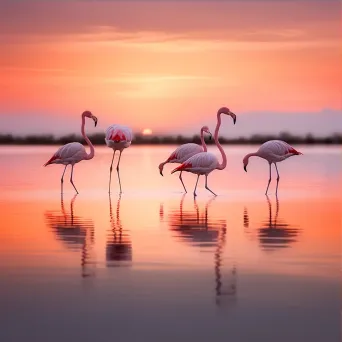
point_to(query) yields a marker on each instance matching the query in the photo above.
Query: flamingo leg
(62, 179)
(180, 177)
(206, 185)
(269, 180)
(110, 171)
(196, 186)
(277, 178)
(71, 181)
(118, 171)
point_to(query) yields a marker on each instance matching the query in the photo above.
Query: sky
(170, 65)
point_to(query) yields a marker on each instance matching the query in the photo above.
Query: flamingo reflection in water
(75, 232)
(274, 233)
(208, 234)
(119, 246)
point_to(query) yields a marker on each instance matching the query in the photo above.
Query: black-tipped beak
(160, 171)
(245, 168)
(234, 117)
(95, 120)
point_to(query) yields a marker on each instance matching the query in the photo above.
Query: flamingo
(118, 137)
(274, 151)
(205, 162)
(184, 152)
(73, 153)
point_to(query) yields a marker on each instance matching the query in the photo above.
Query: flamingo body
(184, 152)
(274, 151)
(70, 153)
(118, 137)
(200, 164)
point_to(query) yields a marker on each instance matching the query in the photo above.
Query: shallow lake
(156, 265)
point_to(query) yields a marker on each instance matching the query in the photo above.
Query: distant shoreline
(98, 139)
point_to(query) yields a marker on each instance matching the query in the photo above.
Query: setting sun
(147, 131)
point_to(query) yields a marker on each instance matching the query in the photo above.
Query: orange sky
(168, 66)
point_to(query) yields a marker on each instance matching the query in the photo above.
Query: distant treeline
(98, 139)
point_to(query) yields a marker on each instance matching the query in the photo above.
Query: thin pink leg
(71, 181)
(196, 185)
(269, 180)
(110, 172)
(62, 180)
(206, 185)
(277, 178)
(180, 177)
(118, 171)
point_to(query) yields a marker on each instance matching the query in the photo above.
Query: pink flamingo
(274, 151)
(74, 152)
(205, 162)
(118, 137)
(184, 152)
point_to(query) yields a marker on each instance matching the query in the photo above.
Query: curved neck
(224, 158)
(92, 151)
(247, 156)
(203, 142)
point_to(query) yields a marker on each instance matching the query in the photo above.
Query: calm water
(155, 265)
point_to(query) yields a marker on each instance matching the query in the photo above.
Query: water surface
(155, 264)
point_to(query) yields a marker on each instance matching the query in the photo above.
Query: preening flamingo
(205, 162)
(118, 137)
(184, 152)
(74, 152)
(274, 151)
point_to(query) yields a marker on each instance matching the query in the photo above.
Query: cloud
(157, 41)
(196, 45)
(63, 18)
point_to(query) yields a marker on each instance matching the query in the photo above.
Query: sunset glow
(119, 59)
(147, 131)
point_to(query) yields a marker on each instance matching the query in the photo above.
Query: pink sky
(169, 66)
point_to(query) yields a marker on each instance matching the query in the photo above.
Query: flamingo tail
(182, 167)
(51, 160)
(294, 151)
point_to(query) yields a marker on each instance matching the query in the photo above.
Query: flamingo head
(88, 114)
(206, 130)
(161, 166)
(245, 162)
(227, 111)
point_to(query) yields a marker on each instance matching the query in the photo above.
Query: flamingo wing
(200, 163)
(69, 153)
(277, 147)
(184, 152)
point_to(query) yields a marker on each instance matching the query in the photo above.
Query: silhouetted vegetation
(98, 139)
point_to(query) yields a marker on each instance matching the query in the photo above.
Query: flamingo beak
(95, 119)
(160, 171)
(233, 116)
(245, 168)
